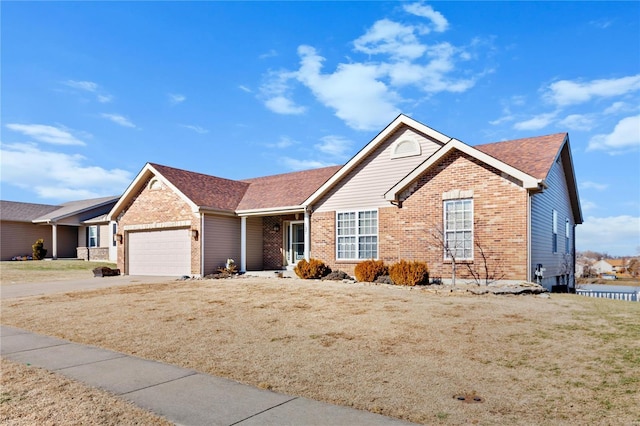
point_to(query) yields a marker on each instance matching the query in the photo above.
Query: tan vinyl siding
(221, 241)
(17, 238)
(103, 235)
(67, 238)
(555, 197)
(366, 184)
(254, 244)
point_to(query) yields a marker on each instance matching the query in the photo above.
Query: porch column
(54, 242)
(307, 235)
(243, 244)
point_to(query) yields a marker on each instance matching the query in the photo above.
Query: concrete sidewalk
(180, 395)
(11, 291)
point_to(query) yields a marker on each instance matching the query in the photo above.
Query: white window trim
(96, 237)
(357, 234)
(444, 229)
(554, 234)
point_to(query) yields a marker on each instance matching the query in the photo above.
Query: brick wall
(500, 216)
(158, 206)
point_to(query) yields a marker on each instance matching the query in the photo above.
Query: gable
(386, 163)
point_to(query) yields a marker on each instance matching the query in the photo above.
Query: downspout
(243, 244)
(529, 277)
(573, 252)
(202, 245)
(307, 234)
(54, 237)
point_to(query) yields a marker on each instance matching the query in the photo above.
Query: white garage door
(166, 252)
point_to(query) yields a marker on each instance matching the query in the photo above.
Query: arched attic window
(405, 148)
(155, 184)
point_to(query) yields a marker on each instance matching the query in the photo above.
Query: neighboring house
(74, 229)
(408, 194)
(618, 266)
(602, 267)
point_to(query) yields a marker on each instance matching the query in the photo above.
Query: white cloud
(368, 94)
(334, 146)
(119, 119)
(283, 105)
(625, 136)
(538, 122)
(619, 107)
(353, 91)
(295, 164)
(60, 176)
(587, 205)
(601, 23)
(47, 134)
(196, 129)
(567, 92)
(577, 122)
(593, 185)
(103, 99)
(176, 98)
(283, 143)
(270, 54)
(440, 23)
(91, 87)
(244, 88)
(390, 38)
(616, 235)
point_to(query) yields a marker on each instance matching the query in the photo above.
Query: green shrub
(409, 273)
(39, 252)
(369, 270)
(311, 270)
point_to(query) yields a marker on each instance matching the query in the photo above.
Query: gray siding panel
(556, 196)
(221, 241)
(366, 185)
(254, 244)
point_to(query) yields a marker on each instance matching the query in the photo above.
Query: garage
(160, 252)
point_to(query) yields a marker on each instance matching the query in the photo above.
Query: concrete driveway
(12, 291)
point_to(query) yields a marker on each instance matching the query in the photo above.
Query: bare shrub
(370, 270)
(312, 270)
(409, 273)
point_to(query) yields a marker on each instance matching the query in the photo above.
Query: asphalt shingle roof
(205, 190)
(289, 189)
(24, 212)
(534, 156)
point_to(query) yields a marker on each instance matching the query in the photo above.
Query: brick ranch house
(408, 194)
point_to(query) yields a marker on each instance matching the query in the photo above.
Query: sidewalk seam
(119, 355)
(36, 349)
(264, 411)
(193, 373)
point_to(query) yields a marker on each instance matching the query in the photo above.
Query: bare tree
(439, 237)
(491, 268)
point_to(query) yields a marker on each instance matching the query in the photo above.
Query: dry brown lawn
(32, 396)
(12, 272)
(405, 353)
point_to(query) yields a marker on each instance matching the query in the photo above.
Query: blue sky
(91, 91)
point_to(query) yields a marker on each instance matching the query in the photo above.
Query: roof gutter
(271, 211)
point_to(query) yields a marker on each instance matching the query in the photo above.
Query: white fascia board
(392, 127)
(271, 211)
(528, 181)
(205, 210)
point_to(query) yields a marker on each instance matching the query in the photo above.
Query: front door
(296, 243)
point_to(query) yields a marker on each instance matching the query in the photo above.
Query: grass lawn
(14, 272)
(405, 353)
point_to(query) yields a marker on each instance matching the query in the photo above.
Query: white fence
(615, 295)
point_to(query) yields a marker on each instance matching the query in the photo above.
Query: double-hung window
(92, 236)
(357, 235)
(566, 235)
(458, 229)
